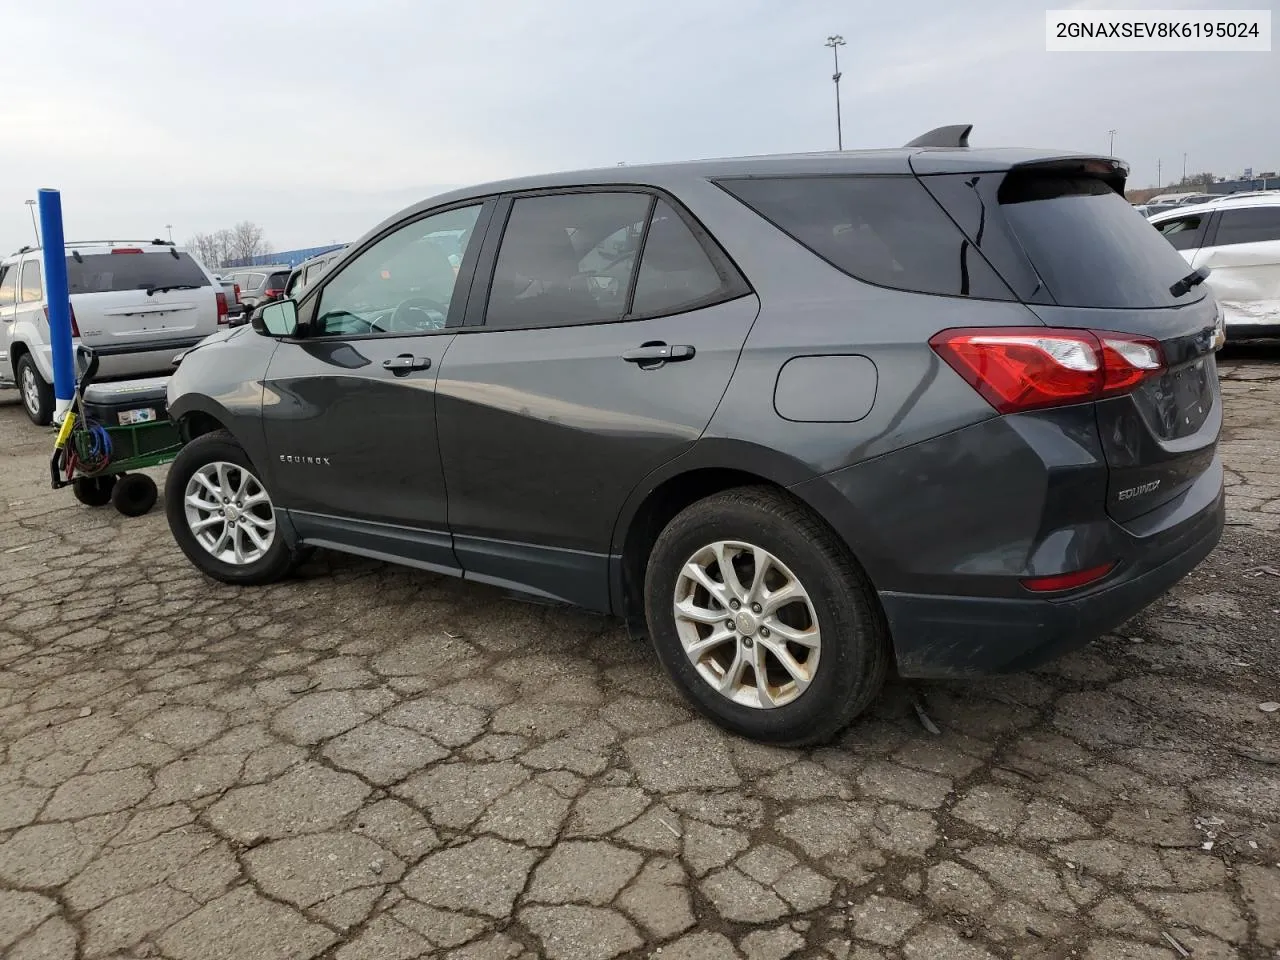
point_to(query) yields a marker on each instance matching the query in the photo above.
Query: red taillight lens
(237, 289)
(222, 307)
(1067, 581)
(1028, 368)
(75, 327)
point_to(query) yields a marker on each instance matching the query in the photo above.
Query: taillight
(237, 289)
(1067, 581)
(1028, 368)
(75, 327)
(222, 306)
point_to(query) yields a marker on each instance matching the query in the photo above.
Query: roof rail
(955, 135)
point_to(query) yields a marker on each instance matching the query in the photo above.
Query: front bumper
(950, 636)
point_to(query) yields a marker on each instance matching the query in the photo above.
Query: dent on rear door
(1245, 278)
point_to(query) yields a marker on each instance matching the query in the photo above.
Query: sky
(318, 119)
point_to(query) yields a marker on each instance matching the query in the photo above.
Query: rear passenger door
(1243, 252)
(577, 374)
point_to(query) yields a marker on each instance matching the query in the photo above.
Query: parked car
(235, 306)
(134, 303)
(307, 272)
(1238, 239)
(259, 285)
(802, 417)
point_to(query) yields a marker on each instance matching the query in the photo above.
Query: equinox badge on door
(313, 461)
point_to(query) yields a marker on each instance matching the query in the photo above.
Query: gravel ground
(370, 763)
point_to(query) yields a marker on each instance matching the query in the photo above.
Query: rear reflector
(222, 307)
(127, 250)
(1028, 368)
(1067, 581)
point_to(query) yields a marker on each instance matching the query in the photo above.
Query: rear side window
(1184, 233)
(8, 286)
(886, 230)
(1250, 225)
(111, 272)
(566, 259)
(675, 272)
(32, 289)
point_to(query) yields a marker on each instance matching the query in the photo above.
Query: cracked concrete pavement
(370, 763)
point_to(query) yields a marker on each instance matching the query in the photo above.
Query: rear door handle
(406, 362)
(657, 353)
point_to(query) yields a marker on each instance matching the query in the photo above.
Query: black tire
(855, 651)
(93, 491)
(39, 401)
(134, 495)
(277, 562)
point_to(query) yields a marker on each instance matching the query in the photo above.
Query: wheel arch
(711, 467)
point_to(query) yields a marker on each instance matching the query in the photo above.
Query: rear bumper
(950, 636)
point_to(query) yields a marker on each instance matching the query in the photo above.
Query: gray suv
(803, 418)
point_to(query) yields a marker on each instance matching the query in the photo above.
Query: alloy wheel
(30, 391)
(747, 624)
(229, 513)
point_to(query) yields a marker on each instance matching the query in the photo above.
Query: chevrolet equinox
(949, 409)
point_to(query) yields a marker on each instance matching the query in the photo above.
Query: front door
(583, 376)
(349, 406)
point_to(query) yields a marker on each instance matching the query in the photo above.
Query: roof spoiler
(955, 135)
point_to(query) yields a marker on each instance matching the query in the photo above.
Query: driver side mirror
(279, 318)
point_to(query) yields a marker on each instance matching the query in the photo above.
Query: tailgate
(115, 318)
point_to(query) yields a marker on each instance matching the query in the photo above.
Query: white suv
(135, 304)
(1238, 239)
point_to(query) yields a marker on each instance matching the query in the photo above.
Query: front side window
(32, 289)
(1183, 233)
(566, 259)
(1250, 225)
(403, 284)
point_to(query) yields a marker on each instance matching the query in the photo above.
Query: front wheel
(221, 514)
(763, 619)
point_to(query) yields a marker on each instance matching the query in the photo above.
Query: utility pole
(31, 205)
(1184, 168)
(835, 42)
(169, 227)
(1111, 150)
(1159, 177)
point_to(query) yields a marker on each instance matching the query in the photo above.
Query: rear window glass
(886, 230)
(1088, 245)
(277, 280)
(110, 272)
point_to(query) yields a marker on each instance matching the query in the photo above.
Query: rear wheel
(221, 515)
(763, 619)
(37, 395)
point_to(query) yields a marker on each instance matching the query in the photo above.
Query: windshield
(110, 272)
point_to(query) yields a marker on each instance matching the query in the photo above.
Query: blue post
(59, 300)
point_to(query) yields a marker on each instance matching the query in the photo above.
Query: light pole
(835, 43)
(1159, 175)
(1111, 150)
(31, 205)
(169, 227)
(1184, 168)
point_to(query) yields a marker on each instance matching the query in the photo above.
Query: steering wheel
(412, 317)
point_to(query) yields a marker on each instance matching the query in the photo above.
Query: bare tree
(217, 249)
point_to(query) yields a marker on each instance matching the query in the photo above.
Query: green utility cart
(112, 431)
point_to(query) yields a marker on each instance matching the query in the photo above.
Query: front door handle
(406, 362)
(659, 353)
